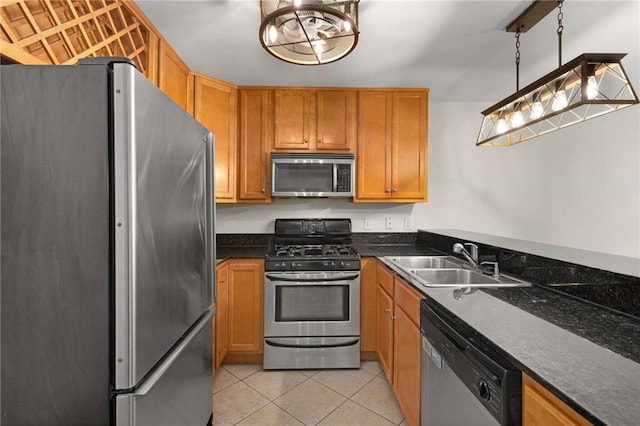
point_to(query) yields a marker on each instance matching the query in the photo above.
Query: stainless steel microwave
(312, 175)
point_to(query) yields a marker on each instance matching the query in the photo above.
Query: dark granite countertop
(374, 250)
(242, 252)
(588, 356)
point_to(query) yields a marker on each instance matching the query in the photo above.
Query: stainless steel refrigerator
(107, 232)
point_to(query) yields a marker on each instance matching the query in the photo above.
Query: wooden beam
(534, 14)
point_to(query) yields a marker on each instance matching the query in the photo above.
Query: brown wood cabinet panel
(256, 129)
(222, 315)
(246, 305)
(406, 364)
(409, 146)
(384, 277)
(336, 120)
(374, 145)
(384, 331)
(368, 304)
(541, 408)
(293, 114)
(392, 146)
(216, 108)
(174, 76)
(408, 299)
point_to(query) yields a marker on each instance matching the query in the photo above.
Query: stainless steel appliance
(312, 296)
(107, 248)
(464, 381)
(312, 175)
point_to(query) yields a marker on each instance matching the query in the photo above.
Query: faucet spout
(472, 257)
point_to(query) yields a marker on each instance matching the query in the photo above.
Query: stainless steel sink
(460, 278)
(423, 262)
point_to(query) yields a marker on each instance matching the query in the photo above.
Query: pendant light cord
(517, 60)
(560, 29)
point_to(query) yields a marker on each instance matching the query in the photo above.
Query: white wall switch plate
(367, 224)
(387, 222)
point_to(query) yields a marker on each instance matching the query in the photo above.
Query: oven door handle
(311, 278)
(313, 346)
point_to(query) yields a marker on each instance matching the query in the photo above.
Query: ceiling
(459, 49)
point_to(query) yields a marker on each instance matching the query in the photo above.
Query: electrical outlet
(367, 224)
(387, 222)
(407, 223)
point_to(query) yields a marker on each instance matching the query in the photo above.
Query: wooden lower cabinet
(368, 289)
(221, 320)
(398, 339)
(540, 407)
(246, 301)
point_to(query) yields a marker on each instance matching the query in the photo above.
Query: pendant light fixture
(588, 86)
(309, 32)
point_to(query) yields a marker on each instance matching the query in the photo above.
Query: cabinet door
(222, 315)
(294, 127)
(255, 135)
(406, 351)
(173, 76)
(384, 328)
(246, 301)
(541, 408)
(409, 147)
(368, 304)
(335, 120)
(216, 108)
(373, 179)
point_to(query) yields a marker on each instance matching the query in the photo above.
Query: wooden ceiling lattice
(62, 31)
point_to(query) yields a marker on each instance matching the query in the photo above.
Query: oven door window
(303, 177)
(295, 303)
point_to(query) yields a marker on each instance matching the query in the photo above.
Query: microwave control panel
(344, 178)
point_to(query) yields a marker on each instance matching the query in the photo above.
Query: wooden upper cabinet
(216, 107)
(541, 408)
(392, 146)
(174, 76)
(314, 120)
(256, 129)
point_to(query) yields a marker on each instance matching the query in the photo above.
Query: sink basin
(460, 278)
(423, 262)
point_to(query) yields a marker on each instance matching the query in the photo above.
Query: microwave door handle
(335, 177)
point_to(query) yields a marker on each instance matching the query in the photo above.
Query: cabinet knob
(387, 310)
(394, 190)
(262, 190)
(393, 318)
(306, 140)
(387, 190)
(319, 140)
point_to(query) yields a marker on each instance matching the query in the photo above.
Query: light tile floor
(249, 395)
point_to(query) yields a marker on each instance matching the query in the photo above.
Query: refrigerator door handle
(149, 381)
(211, 215)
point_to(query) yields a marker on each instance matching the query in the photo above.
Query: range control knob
(283, 265)
(332, 265)
(483, 390)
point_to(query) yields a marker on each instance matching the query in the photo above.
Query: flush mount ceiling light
(588, 86)
(309, 32)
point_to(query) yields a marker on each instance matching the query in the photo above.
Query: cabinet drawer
(384, 277)
(407, 299)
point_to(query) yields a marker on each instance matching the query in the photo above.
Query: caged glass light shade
(309, 32)
(591, 85)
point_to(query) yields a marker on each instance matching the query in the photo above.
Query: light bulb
(273, 33)
(501, 126)
(517, 119)
(347, 27)
(536, 110)
(317, 46)
(592, 87)
(297, 3)
(559, 100)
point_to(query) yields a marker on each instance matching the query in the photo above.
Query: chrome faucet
(472, 257)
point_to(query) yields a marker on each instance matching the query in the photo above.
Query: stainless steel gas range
(312, 296)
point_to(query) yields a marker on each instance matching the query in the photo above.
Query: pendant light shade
(591, 85)
(309, 32)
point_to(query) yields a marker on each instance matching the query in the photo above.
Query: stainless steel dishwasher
(464, 382)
